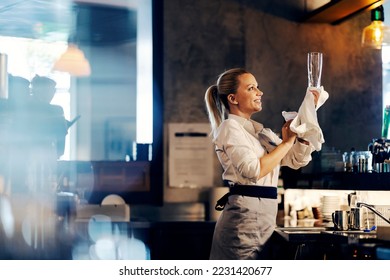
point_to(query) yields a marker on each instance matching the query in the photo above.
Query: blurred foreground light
(104, 249)
(107, 242)
(7, 220)
(99, 226)
(132, 249)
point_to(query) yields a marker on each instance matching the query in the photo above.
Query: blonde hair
(217, 104)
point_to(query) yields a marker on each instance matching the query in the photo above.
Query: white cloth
(305, 124)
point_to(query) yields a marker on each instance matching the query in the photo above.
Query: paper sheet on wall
(190, 155)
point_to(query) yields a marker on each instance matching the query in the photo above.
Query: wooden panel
(338, 10)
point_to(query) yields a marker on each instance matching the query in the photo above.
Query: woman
(251, 156)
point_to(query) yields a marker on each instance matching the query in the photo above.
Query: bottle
(386, 122)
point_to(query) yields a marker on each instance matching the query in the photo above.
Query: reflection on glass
(107, 240)
(39, 194)
(118, 43)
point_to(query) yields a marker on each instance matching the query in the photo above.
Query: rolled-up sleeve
(298, 156)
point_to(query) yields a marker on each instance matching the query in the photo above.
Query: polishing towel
(305, 124)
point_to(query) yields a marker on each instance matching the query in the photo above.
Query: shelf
(337, 180)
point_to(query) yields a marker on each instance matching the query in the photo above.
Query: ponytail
(215, 108)
(216, 96)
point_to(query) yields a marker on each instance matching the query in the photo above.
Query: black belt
(247, 190)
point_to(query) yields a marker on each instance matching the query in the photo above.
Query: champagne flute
(314, 69)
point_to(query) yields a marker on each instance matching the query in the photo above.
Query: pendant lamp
(377, 34)
(73, 61)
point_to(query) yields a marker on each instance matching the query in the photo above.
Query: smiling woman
(251, 156)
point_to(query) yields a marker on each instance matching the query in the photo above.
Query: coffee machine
(380, 149)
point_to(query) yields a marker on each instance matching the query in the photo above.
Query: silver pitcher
(356, 221)
(340, 219)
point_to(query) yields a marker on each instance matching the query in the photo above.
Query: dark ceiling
(293, 10)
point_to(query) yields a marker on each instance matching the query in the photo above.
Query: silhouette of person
(50, 124)
(18, 90)
(17, 132)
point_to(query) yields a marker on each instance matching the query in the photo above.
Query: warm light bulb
(373, 35)
(378, 35)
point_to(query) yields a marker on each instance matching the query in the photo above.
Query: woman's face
(247, 99)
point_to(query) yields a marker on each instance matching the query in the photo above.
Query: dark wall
(202, 38)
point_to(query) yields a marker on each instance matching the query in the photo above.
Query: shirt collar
(250, 125)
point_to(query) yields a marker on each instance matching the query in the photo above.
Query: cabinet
(135, 181)
(181, 240)
(326, 244)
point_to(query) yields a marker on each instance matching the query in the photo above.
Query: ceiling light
(73, 61)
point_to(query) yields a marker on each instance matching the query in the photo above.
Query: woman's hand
(287, 134)
(316, 94)
(270, 160)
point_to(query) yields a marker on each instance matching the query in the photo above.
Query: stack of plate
(330, 203)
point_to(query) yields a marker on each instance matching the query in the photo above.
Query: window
(123, 94)
(30, 57)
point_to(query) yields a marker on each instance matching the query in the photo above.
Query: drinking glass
(314, 68)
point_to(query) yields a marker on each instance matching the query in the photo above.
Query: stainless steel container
(340, 219)
(356, 221)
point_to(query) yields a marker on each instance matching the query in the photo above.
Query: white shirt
(239, 144)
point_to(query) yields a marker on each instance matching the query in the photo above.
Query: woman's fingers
(316, 94)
